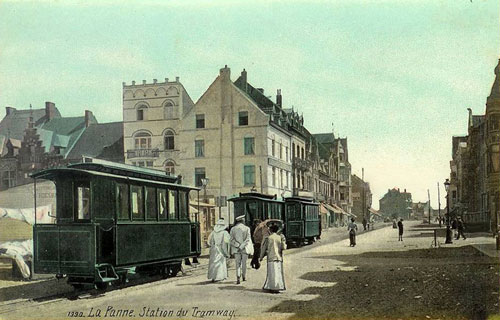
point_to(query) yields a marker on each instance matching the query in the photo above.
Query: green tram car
(300, 215)
(111, 219)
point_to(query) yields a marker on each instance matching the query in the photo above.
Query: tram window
(151, 213)
(252, 210)
(162, 203)
(183, 209)
(172, 205)
(122, 201)
(137, 202)
(82, 199)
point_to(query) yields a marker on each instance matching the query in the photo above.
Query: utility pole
(429, 197)
(439, 206)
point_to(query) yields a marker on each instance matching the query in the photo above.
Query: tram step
(109, 279)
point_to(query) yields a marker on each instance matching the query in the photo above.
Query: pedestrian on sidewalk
(454, 225)
(460, 228)
(400, 229)
(352, 228)
(218, 240)
(364, 224)
(241, 247)
(273, 247)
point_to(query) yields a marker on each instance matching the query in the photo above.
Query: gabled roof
(14, 124)
(95, 139)
(264, 103)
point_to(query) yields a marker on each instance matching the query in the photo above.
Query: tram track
(145, 282)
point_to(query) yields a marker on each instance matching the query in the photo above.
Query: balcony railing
(143, 153)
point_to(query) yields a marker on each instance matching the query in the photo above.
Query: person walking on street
(219, 251)
(273, 247)
(241, 247)
(257, 241)
(400, 229)
(460, 229)
(352, 228)
(364, 224)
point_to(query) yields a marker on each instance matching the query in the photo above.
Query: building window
(273, 177)
(141, 113)
(169, 110)
(293, 150)
(249, 146)
(140, 163)
(199, 173)
(282, 179)
(286, 180)
(286, 154)
(170, 168)
(200, 121)
(169, 140)
(199, 148)
(142, 140)
(243, 118)
(302, 153)
(249, 175)
(149, 164)
(272, 147)
(280, 146)
(8, 179)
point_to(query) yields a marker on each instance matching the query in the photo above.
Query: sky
(393, 76)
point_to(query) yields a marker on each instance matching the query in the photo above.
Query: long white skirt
(217, 265)
(275, 279)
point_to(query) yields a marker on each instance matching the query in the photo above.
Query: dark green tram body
(302, 219)
(300, 215)
(110, 219)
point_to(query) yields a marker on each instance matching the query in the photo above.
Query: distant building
(49, 140)
(361, 197)
(395, 204)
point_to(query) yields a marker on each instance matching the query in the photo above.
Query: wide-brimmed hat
(240, 218)
(220, 225)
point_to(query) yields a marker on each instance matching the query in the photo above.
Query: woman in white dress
(273, 247)
(219, 251)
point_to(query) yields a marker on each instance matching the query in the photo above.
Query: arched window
(141, 112)
(169, 140)
(170, 110)
(170, 168)
(142, 140)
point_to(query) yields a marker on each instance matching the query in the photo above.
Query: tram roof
(302, 199)
(95, 169)
(255, 195)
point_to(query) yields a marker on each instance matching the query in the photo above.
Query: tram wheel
(174, 270)
(165, 272)
(77, 286)
(101, 285)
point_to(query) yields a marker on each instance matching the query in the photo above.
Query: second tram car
(300, 215)
(112, 218)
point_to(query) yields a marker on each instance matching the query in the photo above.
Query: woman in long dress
(273, 247)
(219, 251)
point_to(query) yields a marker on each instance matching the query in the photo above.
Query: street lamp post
(448, 228)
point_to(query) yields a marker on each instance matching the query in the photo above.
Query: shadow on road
(448, 283)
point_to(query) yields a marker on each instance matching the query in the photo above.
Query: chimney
(88, 118)
(225, 73)
(50, 110)
(244, 79)
(9, 110)
(405, 190)
(177, 79)
(278, 98)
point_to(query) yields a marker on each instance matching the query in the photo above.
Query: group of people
(238, 243)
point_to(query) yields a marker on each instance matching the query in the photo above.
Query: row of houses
(475, 167)
(234, 139)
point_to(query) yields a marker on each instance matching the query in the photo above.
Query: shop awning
(333, 208)
(375, 212)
